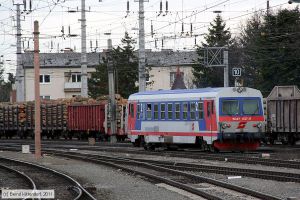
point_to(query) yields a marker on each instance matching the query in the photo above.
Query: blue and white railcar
(222, 118)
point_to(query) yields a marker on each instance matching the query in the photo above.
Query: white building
(164, 66)
(60, 72)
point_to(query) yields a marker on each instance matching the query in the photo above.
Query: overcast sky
(110, 16)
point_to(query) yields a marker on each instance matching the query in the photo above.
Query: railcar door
(210, 119)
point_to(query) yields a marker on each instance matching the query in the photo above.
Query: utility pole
(19, 71)
(226, 68)
(84, 84)
(268, 7)
(37, 103)
(142, 57)
(111, 88)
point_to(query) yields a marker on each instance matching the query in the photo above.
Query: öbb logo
(242, 125)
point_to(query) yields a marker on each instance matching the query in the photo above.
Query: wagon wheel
(212, 148)
(291, 140)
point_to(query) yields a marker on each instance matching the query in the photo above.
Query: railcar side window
(170, 111)
(162, 111)
(251, 107)
(208, 109)
(185, 111)
(177, 111)
(149, 111)
(156, 111)
(138, 112)
(230, 107)
(193, 111)
(200, 110)
(131, 110)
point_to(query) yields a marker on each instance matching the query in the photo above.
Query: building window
(162, 111)
(147, 76)
(173, 77)
(76, 78)
(44, 78)
(45, 97)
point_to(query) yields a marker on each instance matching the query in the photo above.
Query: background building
(60, 72)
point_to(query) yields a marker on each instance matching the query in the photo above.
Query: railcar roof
(181, 91)
(194, 93)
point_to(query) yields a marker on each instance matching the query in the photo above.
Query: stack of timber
(54, 113)
(20, 117)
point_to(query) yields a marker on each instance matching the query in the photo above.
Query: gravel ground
(202, 162)
(110, 184)
(9, 180)
(280, 189)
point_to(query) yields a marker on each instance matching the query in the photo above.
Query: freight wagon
(86, 120)
(19, 119)
(63, 118)
(283, 114)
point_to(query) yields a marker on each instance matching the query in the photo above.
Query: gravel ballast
(110, 184)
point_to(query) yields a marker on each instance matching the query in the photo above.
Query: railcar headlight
(259, 125)
(224, 125)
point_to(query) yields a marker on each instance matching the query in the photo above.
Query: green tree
(98, 83)
(271, 49)
(126, 71)
(218, 36)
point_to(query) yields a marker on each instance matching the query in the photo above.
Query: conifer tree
(126, 71)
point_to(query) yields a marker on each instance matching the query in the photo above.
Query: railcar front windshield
(230, 107)
(251, 107)
(240, 107)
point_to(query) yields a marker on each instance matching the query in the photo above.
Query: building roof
(72, 59)
(171, 58)
(62, 60)
(178, 82)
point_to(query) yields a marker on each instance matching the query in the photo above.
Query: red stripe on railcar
(173, 133)
(241, 118)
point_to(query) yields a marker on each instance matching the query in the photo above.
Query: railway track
(43, 178)
(262, 174)
(14, 179)
(228, 157)
(173, 177)
(182, 170)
